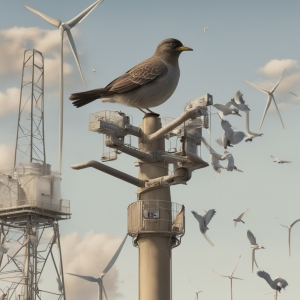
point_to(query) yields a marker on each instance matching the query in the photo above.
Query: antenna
(30, 200)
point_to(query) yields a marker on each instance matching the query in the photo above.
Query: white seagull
(230, 277)
(226, 110)
(99, 281)
(205, 29)
(277, 284)
(250, 134)
(203, 222)
(280, 161)
(239, 218)
(289, 227)
(239, 102)
(229, 137)
(270, 98)
(254, 246)
(196, 292)
(230, 163)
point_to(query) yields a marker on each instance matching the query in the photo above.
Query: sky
(245, 40)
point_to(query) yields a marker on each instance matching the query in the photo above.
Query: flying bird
(203, 222)
(196, 292)
(99, 281)
(250, 134)
(230, 137)
(239, 218)
(270, 98)
(226, 110)
(230, 277)
(280, 161)
(93, 70)
(230, 163)
(146, 85)
(254, 246)
(289, 227)
(205, 29)
(277, 284)
(238, 102)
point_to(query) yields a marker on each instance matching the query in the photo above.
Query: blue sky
(251, 40)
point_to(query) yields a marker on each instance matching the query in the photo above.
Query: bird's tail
(83, 98)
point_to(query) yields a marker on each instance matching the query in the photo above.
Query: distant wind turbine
(99, 281)
(270, 98)
(230, 277)
(65, 27)
(289, 227)
(196, 292)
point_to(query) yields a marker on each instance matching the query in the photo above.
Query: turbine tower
(155, 223)
(30, 201)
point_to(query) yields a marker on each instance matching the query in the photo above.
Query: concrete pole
(154, 250)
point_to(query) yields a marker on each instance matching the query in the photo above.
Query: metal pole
(154, 250)
(31, 113)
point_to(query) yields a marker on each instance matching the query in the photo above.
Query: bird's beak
(183, 48)
(238, 114)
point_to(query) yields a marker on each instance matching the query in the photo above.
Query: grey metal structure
(154, 222)
(31, 203)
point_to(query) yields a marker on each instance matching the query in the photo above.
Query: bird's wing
(220, 274)
(208, 239)
(139, 75)
(219, 141)
(266, 276)
(251, 237)
(208, 216)
(238, 98)
(237, 137)
(286, 161)
(225, 109)
(88, 278)
(280, 282)
(243, 214)
(294, 222)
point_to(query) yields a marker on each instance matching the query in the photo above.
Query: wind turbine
(289, 227)
(270, 98)
(101, 289)
(196, 292)
(230, 277)
(65, 27)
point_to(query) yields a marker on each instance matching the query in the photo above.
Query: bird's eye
(173, 44)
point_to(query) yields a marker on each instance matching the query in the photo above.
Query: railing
(62, 206)
(159, 216)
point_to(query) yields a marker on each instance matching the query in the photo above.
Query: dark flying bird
(146, 85)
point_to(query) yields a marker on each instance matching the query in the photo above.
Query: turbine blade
(237, 278)
(192, 285)
(73, 47)
(114, 258)
(236, 266)
(52, 21)
(100, 1)
(257, 87)
(266, 109)
(221, 274)
(290, 242)
(278, 111)
(295, 95)
(276, 85)
(207, 238)
(104, 291)
(83, 14)
(88, 278)
(253, 259)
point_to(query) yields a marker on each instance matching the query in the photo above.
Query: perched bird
(280, 161)
(250, 135)
(289, 227)
(239, 218)
(277, 284)
(146, 85)
(239, 102)
(270, 98)
(230, 137)
(203, 222)
(226, 110)
(254, 246)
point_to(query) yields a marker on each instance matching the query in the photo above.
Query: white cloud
(14, 41)
(89, 255)
(275, 67)
(6, 156)
(9, 101)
